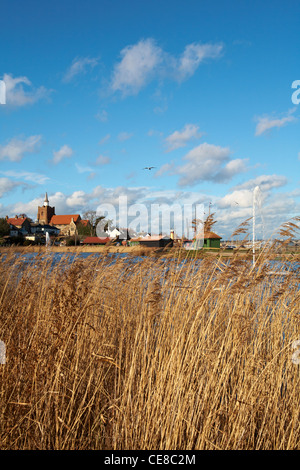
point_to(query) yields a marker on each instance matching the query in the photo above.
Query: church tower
(45, 212)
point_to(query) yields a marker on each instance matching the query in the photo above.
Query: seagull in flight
(149, 167)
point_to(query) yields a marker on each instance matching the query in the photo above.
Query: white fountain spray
(256, 201)
(48, 242)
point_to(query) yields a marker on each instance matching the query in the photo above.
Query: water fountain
(48, 241)
(256, 201)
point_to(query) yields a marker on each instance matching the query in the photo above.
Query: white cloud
(104, 139)
(64, 152)
(266, 123)
(57, 200)
(193, 55)
(238, 198)
(83, 169)
(136, 67)
(273, 210)
(79, 66)
(77, 199)
(102, 115)
(124, 136)
(16, 148)
(102, 160)
(232, 168)
(27, 176)
(142, 62)
(19, 91)
(166, 168)
(181, 138)
(265, 182)
(206, 162)
(21, 207)
(6, 185)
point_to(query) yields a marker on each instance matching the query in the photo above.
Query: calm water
(59, 256)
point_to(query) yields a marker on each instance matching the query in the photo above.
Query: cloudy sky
(205, 92)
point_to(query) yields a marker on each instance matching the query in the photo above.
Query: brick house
(19, 224)
(67, 224)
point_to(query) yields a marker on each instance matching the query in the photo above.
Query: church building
(45, 213)
(65, 223)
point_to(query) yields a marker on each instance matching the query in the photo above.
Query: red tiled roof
(16, 220)
(93, 240)
(85, 222)
(64, 219)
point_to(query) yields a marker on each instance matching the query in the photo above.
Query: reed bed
(113, 353)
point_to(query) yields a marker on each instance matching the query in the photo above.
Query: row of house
(210, 240)
(67, 225)
(47, 221)
(154, 241)
(23, 227)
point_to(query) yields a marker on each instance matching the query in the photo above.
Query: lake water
(57, 257)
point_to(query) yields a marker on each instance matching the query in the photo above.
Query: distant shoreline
(132, 250)
(139, 251)
(71, 249)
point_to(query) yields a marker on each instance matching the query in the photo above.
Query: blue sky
(97, 90)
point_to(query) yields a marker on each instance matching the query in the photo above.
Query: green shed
(211, 240)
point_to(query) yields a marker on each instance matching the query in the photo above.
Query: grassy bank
(69, 249)
(174, 252)
(148, 355)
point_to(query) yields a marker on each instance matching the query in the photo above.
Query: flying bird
(149, 167)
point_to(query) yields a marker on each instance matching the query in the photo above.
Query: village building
(206, 240)
(154, 241)
(41, 229)
(19, 225)
(211, 240)
(45, 212)
(67, 224)
(119, 235)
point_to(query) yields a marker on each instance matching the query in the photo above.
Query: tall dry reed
(148, 354)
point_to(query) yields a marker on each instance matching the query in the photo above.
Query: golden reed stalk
(156, 354)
